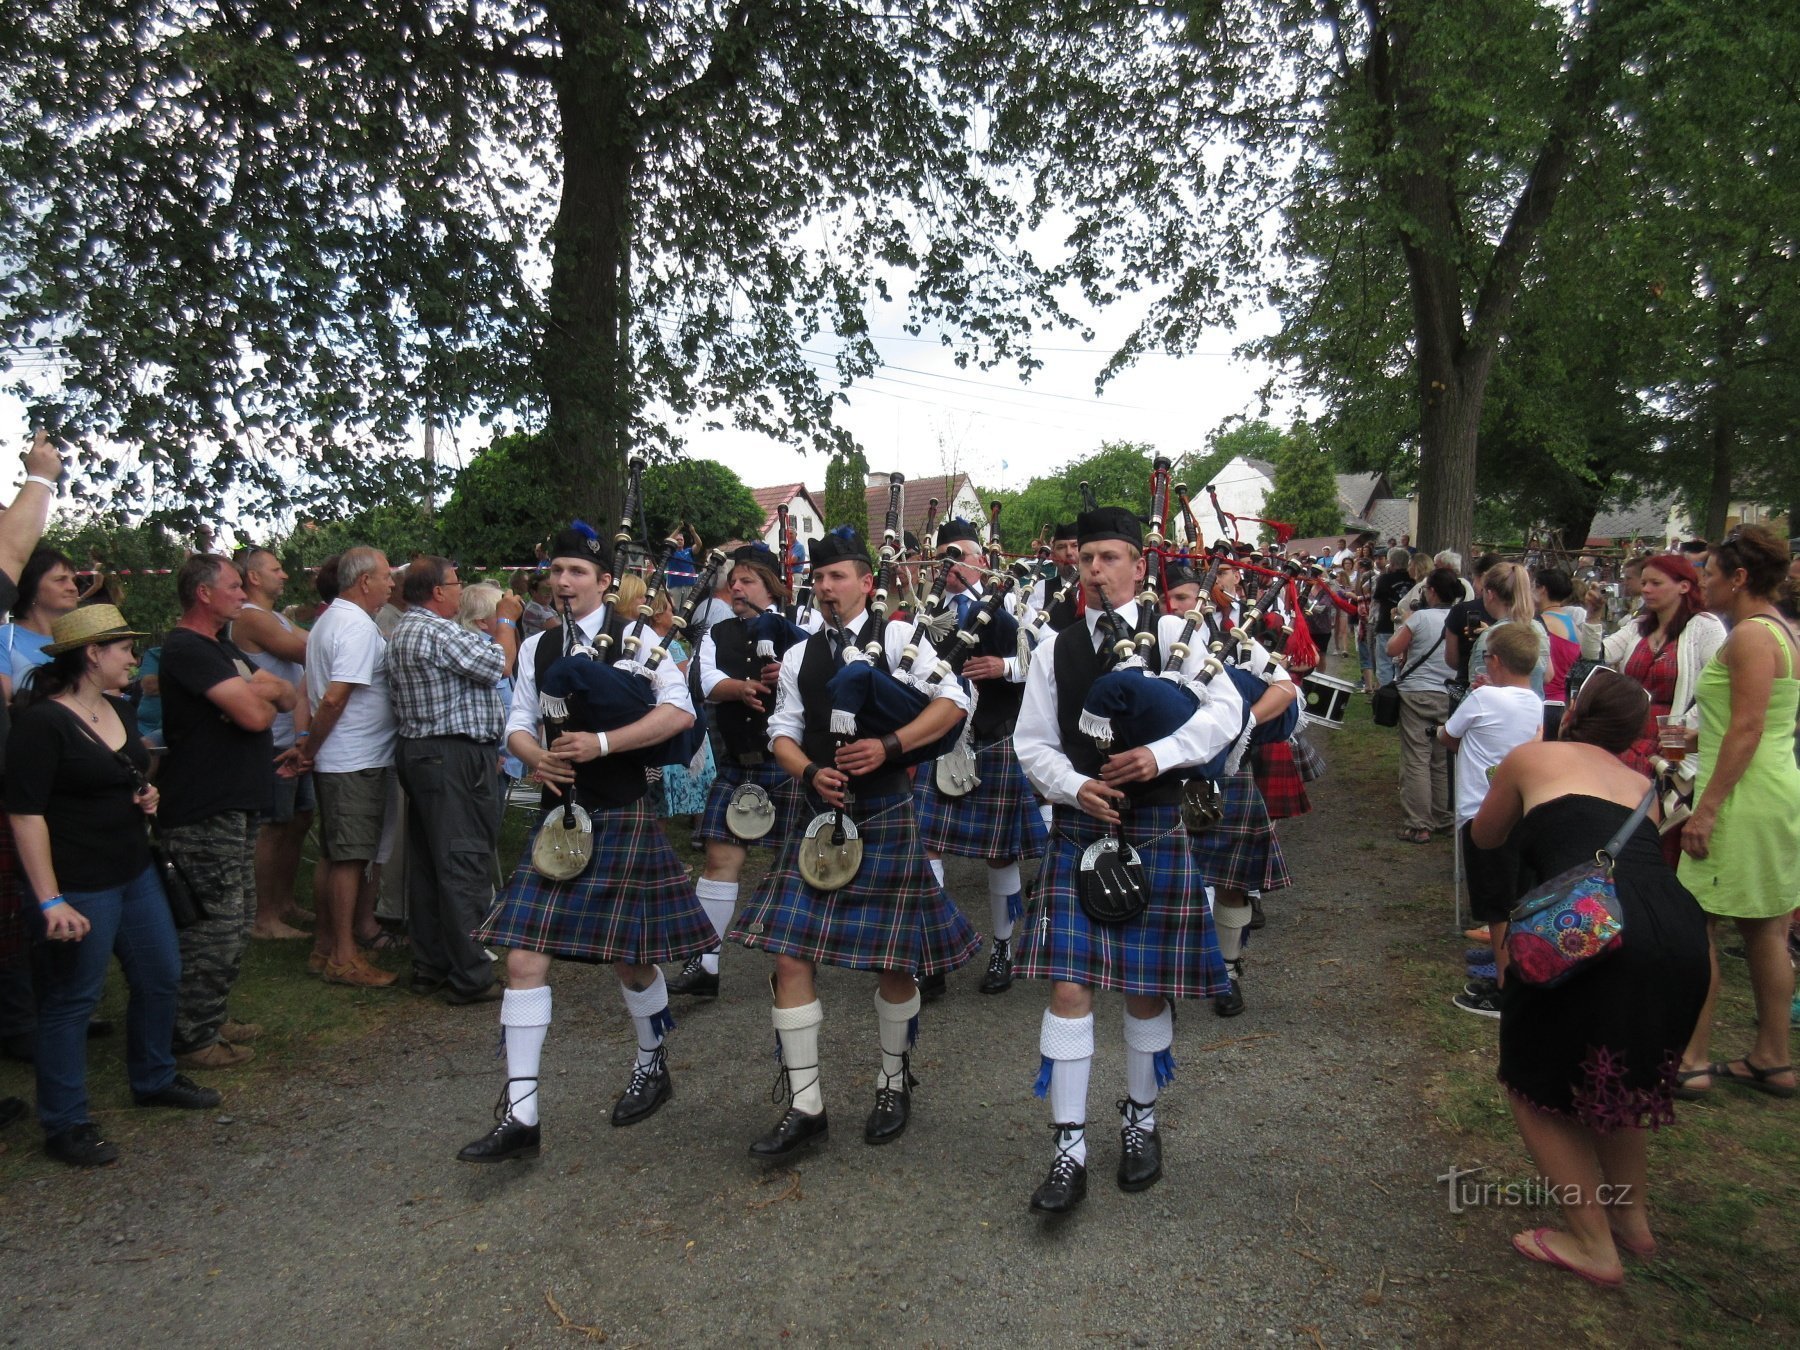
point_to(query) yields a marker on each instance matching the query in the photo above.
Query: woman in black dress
(1590, 1065)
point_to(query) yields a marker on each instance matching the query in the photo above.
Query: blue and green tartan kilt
(784, 793)
(1240, 852)
(996, 820)
(634, 902)
(1169, 949)
(892, 916)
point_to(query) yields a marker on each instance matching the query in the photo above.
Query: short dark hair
(1486, 561)
(202, 569)
(1445, 585)
(424, 574)
(325, 580)
(1557, 583)
(41, 562)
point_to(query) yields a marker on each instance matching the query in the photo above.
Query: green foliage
(846, 494)
(502, 505)
(1305, 491)
(119, 547)
(398, 529)
(1118, 472)
(705, 495)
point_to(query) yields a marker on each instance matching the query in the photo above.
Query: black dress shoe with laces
(696, 981)
(1231, 1002)
(1066, 1186)
(999, 975)
(931, 987)
(182, 1093)
(81, 1146)
(649, 1088)
(1257, 919)
(794, 1130)
(893, 1107)
(1140, 1150)
(506, 1141)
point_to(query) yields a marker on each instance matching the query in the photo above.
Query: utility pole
(430, 468)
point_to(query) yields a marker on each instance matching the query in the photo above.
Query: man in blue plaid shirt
(444, 681)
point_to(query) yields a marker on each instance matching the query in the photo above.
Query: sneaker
(359, 974)
(81, 1146)
(218, 1055)
(181, 1093)
(240, 1033)
(1482, 1005)
(1479, 988)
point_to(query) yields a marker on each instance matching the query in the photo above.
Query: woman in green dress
(1741, 842)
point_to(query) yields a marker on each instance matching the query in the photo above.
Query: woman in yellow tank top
(1744, 835)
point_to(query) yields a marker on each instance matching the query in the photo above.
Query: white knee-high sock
(937, 869)
(1230, 921)
(1149, 1062)
(899, 1024)
(649, 1009)
(798, 1031)
(1005, 901)
(1067, 1047)
(719, 900)
(524, 1022)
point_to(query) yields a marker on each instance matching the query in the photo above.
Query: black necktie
(840, 640)
(1112, 632)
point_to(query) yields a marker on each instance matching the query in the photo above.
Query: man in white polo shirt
(350, 752)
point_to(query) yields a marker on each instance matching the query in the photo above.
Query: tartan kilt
(784, 793)
(892, 916)
(1169, 949)
(634, 902)
(1241, 851)
(1278, 780)
(12, 894)
(996, 820)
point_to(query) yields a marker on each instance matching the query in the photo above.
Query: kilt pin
(784, 795)
(1240, 851)
(1169, 949)
(892, 916)
(997, 819)
(1278, 780)
(634, 902)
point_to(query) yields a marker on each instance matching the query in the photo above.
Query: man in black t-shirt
(1464, 622)
(1390, 587)
(216, 781)
(21, 525)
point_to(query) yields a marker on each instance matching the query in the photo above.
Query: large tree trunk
(1722, 434)
(585, 358)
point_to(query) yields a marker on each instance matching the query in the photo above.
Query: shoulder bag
(1573, 920)
(1384, 703)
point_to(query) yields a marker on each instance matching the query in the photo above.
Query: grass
(1725, 1181)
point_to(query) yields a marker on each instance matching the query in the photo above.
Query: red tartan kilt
(1278, 779)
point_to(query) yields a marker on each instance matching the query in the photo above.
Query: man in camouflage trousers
(217, 781)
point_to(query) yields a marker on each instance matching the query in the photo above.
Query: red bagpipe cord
(1302, 651)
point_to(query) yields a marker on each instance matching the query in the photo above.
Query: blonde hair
(478, 604)
(631, 594)
(1511, 585)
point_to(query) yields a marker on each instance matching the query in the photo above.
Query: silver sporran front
(565, 843)
(954, 772)
(750, 814)
(1110, 882)
(830, 852)
(1202, 805)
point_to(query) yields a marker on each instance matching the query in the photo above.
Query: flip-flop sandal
(1413, 836)
(1684, 1093)
(1536, 1250)
(1757, 1080)
(385, 941)
(1642, 1250)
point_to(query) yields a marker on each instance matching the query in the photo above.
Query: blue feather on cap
(582, 528)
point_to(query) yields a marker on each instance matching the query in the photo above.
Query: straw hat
(90, 623)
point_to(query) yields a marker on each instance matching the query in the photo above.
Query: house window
(806, 525)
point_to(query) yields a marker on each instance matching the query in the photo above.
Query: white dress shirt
(1038, 738)
(789, 717)
(524, 714)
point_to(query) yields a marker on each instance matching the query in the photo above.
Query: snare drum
(1325, 699)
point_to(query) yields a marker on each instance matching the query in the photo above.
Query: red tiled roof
(919, 492)
(771, 497)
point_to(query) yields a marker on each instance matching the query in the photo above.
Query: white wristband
(605, 746)
(49, 483)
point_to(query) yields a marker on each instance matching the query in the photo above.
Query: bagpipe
(630, 554)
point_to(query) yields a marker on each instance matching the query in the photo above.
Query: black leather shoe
(931, 987)
(424, 985)
(794, 1130)
(696, 981)
(81, 1146)
(1066, 1186)
(1140, 1150)
(182, 1093)
(100, 1027)
(893, 1107)
(1256, 915)
(649, 1088)
(506, 1141)
(999, 975)
(1231, 1002)
(492, 992)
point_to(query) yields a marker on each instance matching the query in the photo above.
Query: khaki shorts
(351, 809)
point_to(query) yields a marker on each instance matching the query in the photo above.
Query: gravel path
(1298, 1205)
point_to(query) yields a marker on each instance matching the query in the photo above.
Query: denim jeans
(130, 921)
(1385, 669)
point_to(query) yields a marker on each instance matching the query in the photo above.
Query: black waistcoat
(744, 731)
(1063, 612)
(1077, 667)
(816, 670)
(997, 702)
(613, 780)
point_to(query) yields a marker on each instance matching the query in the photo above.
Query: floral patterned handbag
(1574, 919)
